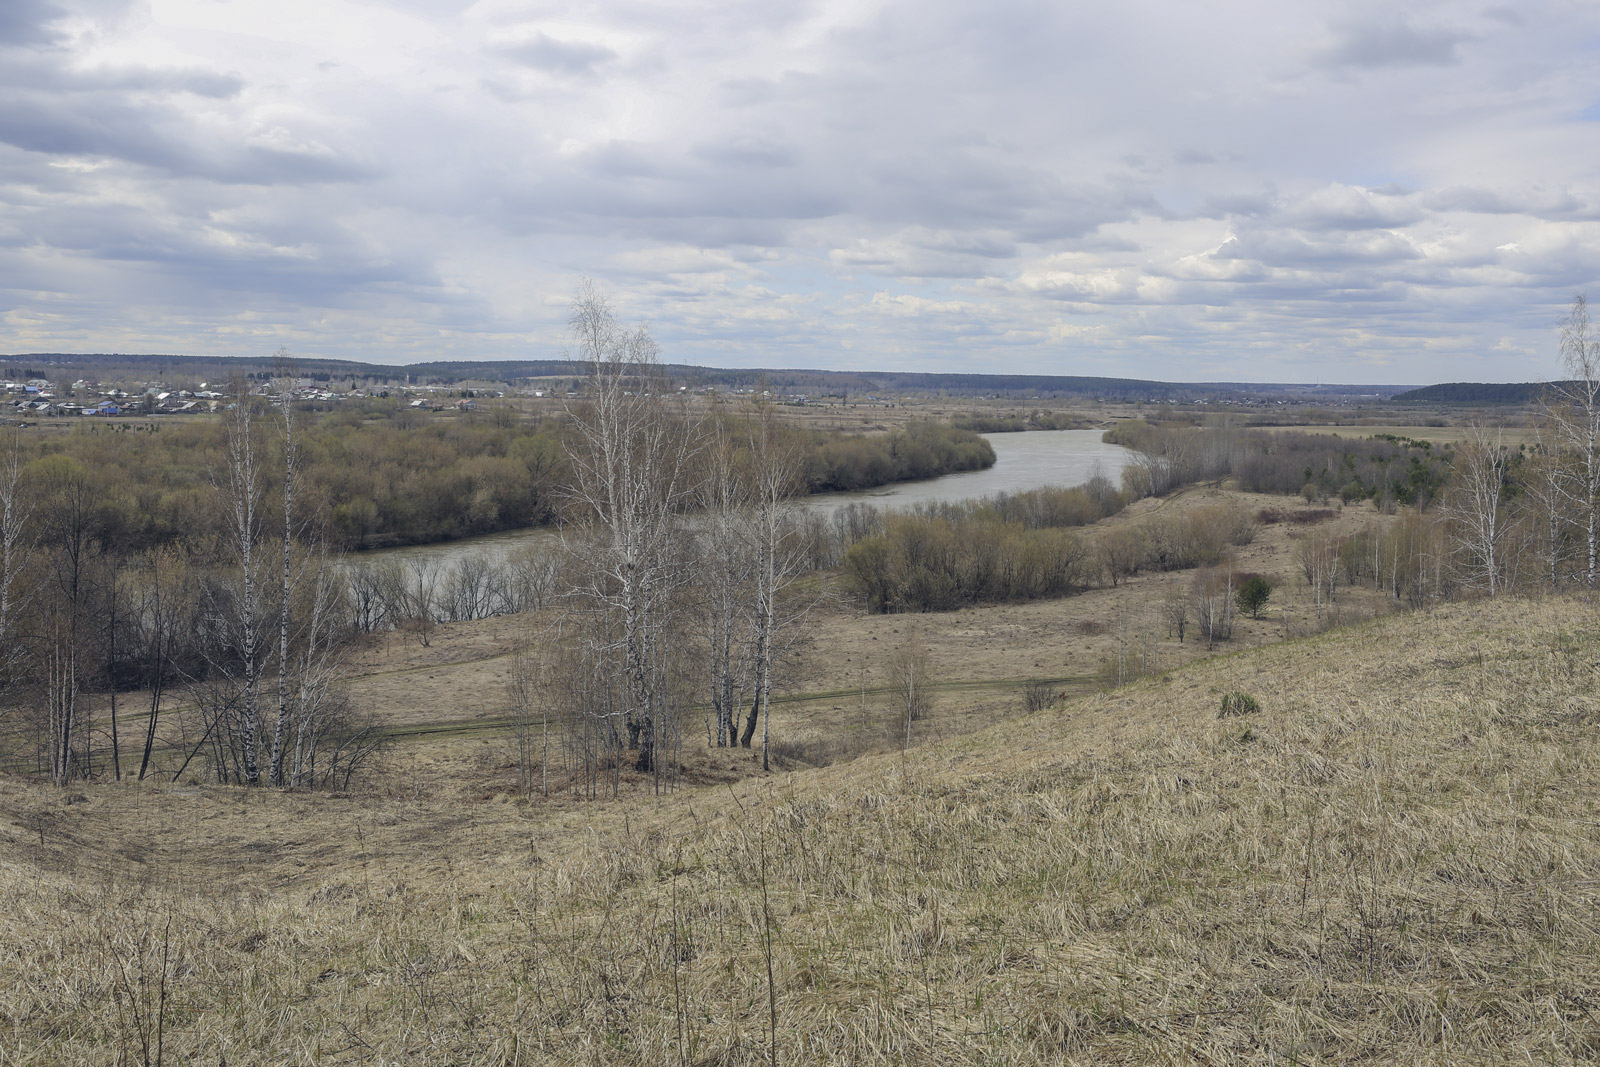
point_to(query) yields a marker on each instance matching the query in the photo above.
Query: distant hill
(1475, 393)
(822, 382)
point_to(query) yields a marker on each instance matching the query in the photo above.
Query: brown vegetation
(1389, 862)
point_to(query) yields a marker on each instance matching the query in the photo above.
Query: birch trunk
(280, 724)
(241, 483)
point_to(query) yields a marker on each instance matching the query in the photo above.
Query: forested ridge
(1477, 393)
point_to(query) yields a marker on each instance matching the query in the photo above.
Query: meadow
(1389, 861)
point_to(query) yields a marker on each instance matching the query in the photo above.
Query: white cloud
(1251, 190)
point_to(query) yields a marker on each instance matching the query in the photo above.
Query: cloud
(1379, 45)
(1264, 190)
(29, 22)
(153, 136)
(545, 53)
(1346, 207)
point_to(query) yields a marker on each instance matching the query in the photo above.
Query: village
(22, 401)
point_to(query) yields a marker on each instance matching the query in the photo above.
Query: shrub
(1236, 704)
(1294, 517)
(1037, 696)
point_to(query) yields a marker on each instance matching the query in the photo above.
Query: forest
(384, 474)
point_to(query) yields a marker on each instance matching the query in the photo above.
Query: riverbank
(1022, 461)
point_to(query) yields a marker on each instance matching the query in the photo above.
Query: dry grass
(1439, 435)
(1392, 862)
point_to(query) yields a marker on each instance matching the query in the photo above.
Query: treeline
(1387, 469)
(1475, 393)
(835, 463)
(1026, 546)
(1034, 420)
(384, 475)
(379, 475)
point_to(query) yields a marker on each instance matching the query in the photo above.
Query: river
(1022, 461)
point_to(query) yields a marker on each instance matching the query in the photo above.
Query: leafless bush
(1294, 516)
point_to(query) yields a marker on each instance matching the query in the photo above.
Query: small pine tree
(1252, 595)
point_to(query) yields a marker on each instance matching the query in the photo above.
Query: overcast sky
(1307, 191)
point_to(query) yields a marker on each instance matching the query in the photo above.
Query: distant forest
(1476, 393)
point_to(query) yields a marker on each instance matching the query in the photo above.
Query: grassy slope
(1393, 861)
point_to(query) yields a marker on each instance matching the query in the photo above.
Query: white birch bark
(240, 481)
(1574, 408)
(1481, 524)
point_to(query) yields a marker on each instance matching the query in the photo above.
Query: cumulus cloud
(1249, 190)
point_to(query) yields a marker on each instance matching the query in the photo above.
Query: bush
(1037, 696)
(1237, 704)
(1295, 517)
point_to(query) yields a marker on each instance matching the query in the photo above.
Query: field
(1392, 860)
(1439, 435)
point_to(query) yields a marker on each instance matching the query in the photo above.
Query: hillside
(1393, 861)
(1474, 393)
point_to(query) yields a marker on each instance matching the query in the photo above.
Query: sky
(1233, 191)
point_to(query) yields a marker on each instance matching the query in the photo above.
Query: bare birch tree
(164, 603)
(280, 723)
(1214, 603)
(1481, 524)
(775, 454)
(727, 574)
(631, 478)
(1574, 409)
(15, 511)
(241, 481)
(1546, 476)
(314, 698)
(61, 615)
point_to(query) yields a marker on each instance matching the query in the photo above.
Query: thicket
(383, 474)
(1387, 469)
(1022, 546)
(1006, 547)
(1033, 420)
(835, 463)
(379, 475)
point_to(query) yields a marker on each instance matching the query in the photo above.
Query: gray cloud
(101, 125)
(28, 22)
(546, 53)
(1027, 186)
(1375, 45)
